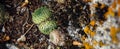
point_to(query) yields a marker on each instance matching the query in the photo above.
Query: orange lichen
(92, 34)
(77, 43)
(119, 11)
(92, 22)
(118, 1)
(88, 46)
(98, 43)
(86, 29)
(113, 32)
(114, 4)
(109, 12)
(94, 42)
(102, 6)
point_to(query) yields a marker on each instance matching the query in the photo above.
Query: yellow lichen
(88, 46)
(94, 42)
(113, 32)
(92, 33)
(98, 43)
(102, 6)
(114, 4)
(119, 11)
(92, 22)
(109, 12)
(86, 29)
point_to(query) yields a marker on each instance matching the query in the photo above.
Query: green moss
(47, 27)
(40, 15)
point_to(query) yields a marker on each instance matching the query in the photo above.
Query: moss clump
(40, 17)
(47, 27)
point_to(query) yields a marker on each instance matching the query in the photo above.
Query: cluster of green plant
(42, 17)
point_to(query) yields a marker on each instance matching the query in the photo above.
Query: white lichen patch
(57, 38)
